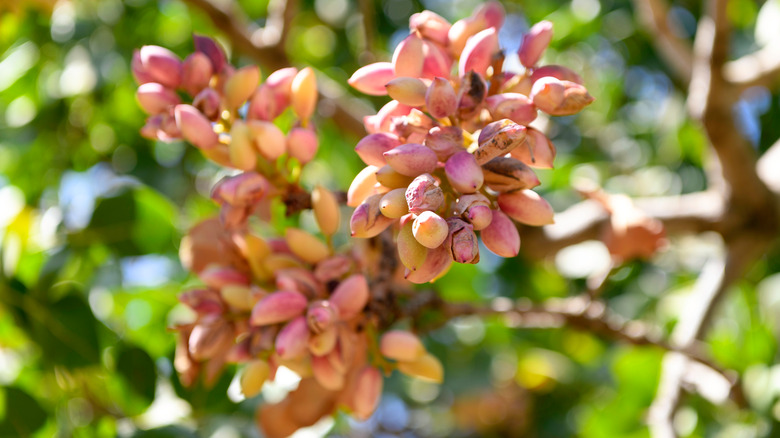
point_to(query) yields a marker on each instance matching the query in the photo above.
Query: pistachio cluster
(453, 153)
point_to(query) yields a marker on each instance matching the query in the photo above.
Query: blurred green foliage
(91, 215)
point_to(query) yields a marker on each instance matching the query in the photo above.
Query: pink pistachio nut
(526, 207)
(440, 99)
(444, 141)
(401, 345)
(505, 174)
(535, 42)
(501, 236)
(155, 98)
(196, 73)
(321, 316)
(362, 186)
(430, 229)
(424, 194)
(278, 307)
(436, 263)
(548, 94)
(217, 277)
(471, 94)
(195, 127)
(243, 189)
(162, 65)
(514, 106)
(475, 208)
(408, 57)
(367, 220)
(557, 71)
(461, 241)
(371, 79)
(371, 148)
(350, 296)
(208, 340)
(212, 50)
(437, 62)
(478, 53)
(506, 136)
(463, 172)
(207, 101)
(537, 151)
(293, 340)
(326, 374)
(430, 26)
(411, 159)
(302, 144)
(303, 93)
(408, 91)
(367, 391)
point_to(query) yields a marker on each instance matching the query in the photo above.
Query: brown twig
(654, 15)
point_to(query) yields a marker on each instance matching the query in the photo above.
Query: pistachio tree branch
(689, 213)
(676, 51)
(760, 68)
(248, 38)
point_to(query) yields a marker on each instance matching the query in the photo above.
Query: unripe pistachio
(269, 139)
(362, 186)
(461, 241)
(393, 203)
(527, 207)
(350, 296)
(210, 48)
(207, 340)
(240, 86)
(424, 194)
(162, 65)
(431, 26)
(321, 316)
(278, 307)
(537, 151)
(237, 296)
(408, 91)
(514, 106)
(243, 189)
(402, 346)
(323, 343)
(440, 99)
(548, 94)
(307, 247)
(371, 147)
(253, 377)
(444, 141)
(437, 262)
(411, 253)
(478, 52)
(304, 93)
(326, 210)
(504, 174)
(391, 179)
(367, 220)
(196, 73)
(367, 391)
(535, 42)
(463, 172)
(195, 127)
(293, 340)
(302, 144)
(437, 62)
(576, 97)
(426, 368)
(501, 236)
(411, 159)
(207, 102)
(471, 94)
(326, 374)
(557, 71)
(430, 229)
(506, 135)
(242, 151)
(371, 79)
(155, 98)
(408, 57)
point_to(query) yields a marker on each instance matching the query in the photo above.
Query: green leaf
(67, 332)
(138, 369)
(23, 414)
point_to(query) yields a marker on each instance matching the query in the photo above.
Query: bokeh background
(91, 215)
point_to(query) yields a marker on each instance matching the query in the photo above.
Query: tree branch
(654, 16)
(346, 112)
(689, 213)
